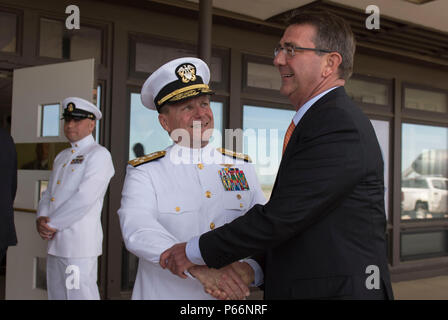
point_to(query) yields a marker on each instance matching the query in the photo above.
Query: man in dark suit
(8, 187)
(322, 233)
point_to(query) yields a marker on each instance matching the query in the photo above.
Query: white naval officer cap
(175, 81)
(77, 108)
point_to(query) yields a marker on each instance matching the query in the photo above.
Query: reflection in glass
(58, 42)
(98, 105)
(263, 76)
(8, 32)
(382, 133)
(41, 159)
(43, 185)
(425, 172)
(423, 245)
(367, 91)
(425, 100)
(264, 131)
(50, 38)
(147, 135)
(50, 120)
(129, 266)
(38, 156)
(40, 273)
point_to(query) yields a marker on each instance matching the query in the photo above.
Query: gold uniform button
(177, 209)
(73, 151)
(73, 170)
(200, 166)
(238, 196)
(212, 226)
(241, 205)
(64, 165)
(208, 194)
(59, 182)
(52, 199)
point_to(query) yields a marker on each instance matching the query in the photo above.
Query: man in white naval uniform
(69, 213)
(175, 194)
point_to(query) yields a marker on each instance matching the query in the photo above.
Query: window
(8, 32)
(419, 245)
(425, 100)
(58, 42)
(265, 76)
(264, 131)
(50, 120)
(261, 77)
(149, 55)
(440, 184)
(146, 134)
(368, 91)
(424, 166)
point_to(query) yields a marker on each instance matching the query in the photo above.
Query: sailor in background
(69, 213)
(187, 189)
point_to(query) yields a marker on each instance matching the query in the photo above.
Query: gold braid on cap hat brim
(184, 93)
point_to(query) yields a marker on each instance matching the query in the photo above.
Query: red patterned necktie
(288, 135)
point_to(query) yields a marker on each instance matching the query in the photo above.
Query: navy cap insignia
(70, 107)
(186, 72)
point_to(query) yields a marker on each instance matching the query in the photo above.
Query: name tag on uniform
(78, 160)
(233, 179)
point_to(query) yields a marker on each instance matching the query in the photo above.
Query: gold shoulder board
(148, 158)
(234, 155)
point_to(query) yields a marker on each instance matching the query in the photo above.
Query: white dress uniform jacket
(74, 199)
(171, 199)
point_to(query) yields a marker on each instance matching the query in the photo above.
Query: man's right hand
(230, 282)
(44, 229)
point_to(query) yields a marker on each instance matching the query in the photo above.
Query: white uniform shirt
(171, 199)
(74, 199)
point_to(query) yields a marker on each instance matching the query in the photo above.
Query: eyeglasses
(290, 51)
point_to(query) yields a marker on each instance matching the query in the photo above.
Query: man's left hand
(175, 259)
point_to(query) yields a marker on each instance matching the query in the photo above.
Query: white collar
(83, 142)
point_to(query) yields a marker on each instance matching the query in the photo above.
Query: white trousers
(72, 278)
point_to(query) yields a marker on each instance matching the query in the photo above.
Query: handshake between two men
(228, 283)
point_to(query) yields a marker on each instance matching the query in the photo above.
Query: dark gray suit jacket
(325, 223)
(8, 187)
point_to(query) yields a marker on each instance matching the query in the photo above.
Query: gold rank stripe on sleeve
(148, 158)
(234, 155)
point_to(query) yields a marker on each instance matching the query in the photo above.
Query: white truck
(424, 197)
